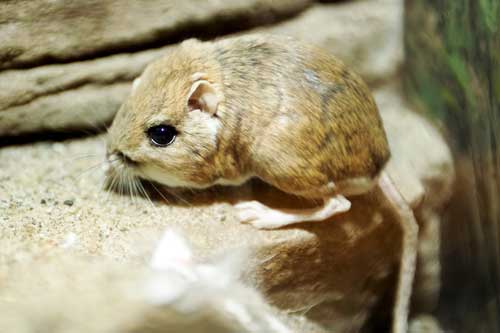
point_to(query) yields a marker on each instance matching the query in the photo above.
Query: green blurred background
(452, 74)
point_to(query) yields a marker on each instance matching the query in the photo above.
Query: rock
(337, 274)
(68, 202)
(44, 31)
(76, 95)
(425, 323)
(311, 270)
(86, 94)
(52, 79)
(429, 168)
(367, 35)
(89, 107)
(199, 304)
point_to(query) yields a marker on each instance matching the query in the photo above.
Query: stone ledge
(42, 31)
(338, 273)
(26, 96)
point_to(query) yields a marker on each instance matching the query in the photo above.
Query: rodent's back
(298, 117)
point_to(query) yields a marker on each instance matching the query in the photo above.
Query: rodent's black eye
(162, 135)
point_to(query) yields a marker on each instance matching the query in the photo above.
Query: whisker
(178, 197)
(123, 186)
(159, 192)
(135, 190)
(81, 157)
(93, 167)
(120, 184)
(133, 183)
(144, 192)
(106, 187)
(112, 185)
(129, 190)
(96, 126)
(132, 189)
(137, 184)
(174, 195)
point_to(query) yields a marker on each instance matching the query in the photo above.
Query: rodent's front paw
(261, 216)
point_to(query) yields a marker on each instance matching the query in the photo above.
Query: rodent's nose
(125, 158)
(118, 155)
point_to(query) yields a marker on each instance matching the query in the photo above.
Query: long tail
(409, 249)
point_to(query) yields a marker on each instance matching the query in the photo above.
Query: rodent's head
(167, 129)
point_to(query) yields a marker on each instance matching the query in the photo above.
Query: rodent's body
(268, 107)
(289, 113)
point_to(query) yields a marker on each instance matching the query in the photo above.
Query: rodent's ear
(203, 96)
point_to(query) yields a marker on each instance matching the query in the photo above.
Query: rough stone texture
(336, 274)
(89, 107)
(365, 34)
(72, 281)
(44, 31)
(430, 161)
(426, 324)
(77, 95)
(52, 79)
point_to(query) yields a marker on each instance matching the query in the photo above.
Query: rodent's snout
(117, 155)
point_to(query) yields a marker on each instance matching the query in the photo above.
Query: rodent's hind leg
(264, 217)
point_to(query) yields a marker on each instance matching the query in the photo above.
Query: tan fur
(288, 113)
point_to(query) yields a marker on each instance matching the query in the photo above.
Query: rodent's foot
(263, 217)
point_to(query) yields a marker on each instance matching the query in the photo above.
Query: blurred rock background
(68, 65)
(70, 251)
(452, 75)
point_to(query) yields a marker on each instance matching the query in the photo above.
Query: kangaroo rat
(261, 106)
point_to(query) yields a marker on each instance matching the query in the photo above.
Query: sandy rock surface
(313, 270)
(69, 251)
(83, 94)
